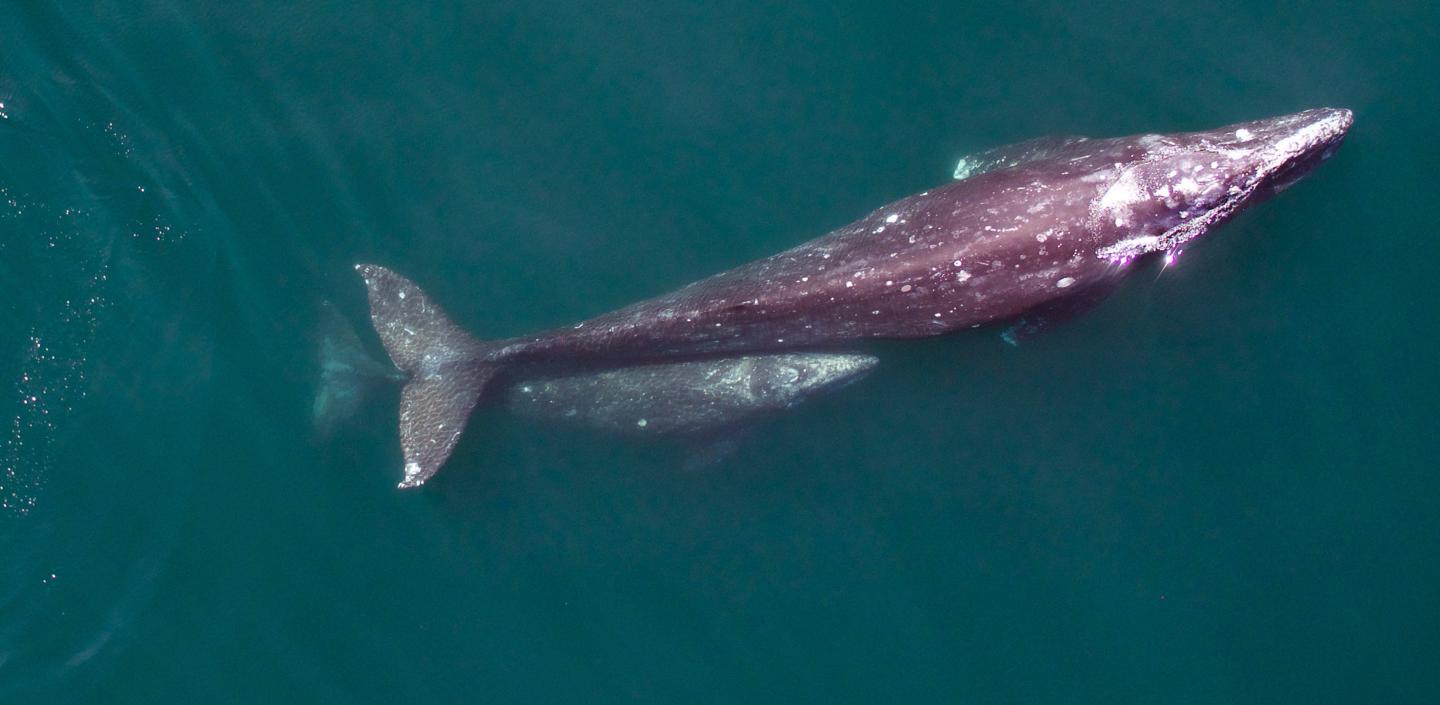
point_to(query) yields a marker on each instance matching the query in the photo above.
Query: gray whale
(1036, 231)
(690, 398)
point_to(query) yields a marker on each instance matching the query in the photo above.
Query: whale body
(688, 398)
(1030, 233)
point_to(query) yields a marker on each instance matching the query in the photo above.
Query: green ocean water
(1219, 487)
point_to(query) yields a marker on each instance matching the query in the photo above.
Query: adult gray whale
(1039, 229)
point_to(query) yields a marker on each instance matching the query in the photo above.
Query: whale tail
(445, 369)
(345, 373)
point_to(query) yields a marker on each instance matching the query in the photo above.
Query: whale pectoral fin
(1023, 329)
(1058, 312)
(710, 451)
(1012, 155)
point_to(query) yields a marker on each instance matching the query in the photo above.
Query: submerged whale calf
(705, 401)
(1038, 230)
(695, 397)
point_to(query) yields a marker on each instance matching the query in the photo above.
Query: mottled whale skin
(1051, 224)
(697, 398)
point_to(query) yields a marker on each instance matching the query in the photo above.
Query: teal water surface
(1219, 487)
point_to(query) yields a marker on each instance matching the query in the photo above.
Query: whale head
(1177, 187)
(786, 379)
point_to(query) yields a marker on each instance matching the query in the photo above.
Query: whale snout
(1295, 132)
(1281, 150)
(1188, 183)
(1301, 144)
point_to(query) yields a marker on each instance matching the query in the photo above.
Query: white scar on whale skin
(1125, 192)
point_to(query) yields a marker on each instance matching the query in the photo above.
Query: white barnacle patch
(906, 289)
(1065, 282)
(891, 218)
(1307, 135)
(962, 276)
(849, 284)
(1130, 247)
(1244, 135)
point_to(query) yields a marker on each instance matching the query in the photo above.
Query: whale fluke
(445, 369)
(346, 372)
